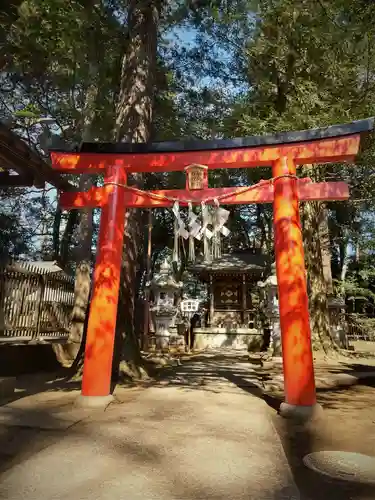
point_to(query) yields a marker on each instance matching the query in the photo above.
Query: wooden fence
(35, 304)
(360, 327)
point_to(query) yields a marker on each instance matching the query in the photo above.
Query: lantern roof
(270, 281)
(272, 278)
(164, 278)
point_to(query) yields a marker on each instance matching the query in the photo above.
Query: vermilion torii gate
(284, 153)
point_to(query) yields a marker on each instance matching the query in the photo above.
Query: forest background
(152, 70)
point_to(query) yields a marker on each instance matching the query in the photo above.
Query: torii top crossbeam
(284, 153)
(329, 144)
(338, 143)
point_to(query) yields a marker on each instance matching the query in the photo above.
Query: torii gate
(283, 152)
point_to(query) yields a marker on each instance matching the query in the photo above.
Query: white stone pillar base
(300, 413)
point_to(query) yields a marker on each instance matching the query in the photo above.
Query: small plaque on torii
(196, 177)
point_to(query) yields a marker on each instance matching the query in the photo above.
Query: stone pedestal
(301, 413)
(272, 311)
(162, 333)
(336, 310)
(275, 343)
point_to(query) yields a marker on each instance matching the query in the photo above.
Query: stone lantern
(165, 290)
(272, 310)
(336, 311)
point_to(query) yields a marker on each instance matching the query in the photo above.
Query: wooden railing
(35, 305)
(360, 327)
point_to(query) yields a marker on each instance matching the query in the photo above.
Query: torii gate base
(283, 153)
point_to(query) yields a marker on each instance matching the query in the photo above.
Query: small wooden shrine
(233, 297)
(232, 280)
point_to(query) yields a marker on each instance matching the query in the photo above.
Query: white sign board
(189, 306)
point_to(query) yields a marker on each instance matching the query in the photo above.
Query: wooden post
(244, 301)
(39, 308)
(212, 305)
(101, 328)
(146, 325)
(293, 300)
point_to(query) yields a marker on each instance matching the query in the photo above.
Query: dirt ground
(348, 425)
(348, 422)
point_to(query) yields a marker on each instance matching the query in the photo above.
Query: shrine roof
(242, 261)
(355, 127)
(17, 156)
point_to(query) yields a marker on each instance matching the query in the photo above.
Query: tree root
(133, 372)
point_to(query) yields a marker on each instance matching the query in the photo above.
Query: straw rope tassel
(216, 240)
(191, 237)
(175, 257)
(206, 243)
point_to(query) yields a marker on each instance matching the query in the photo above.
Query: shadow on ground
(342, 408)
(330, 433)
(101, 432)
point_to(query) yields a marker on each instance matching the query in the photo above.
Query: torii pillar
(284, 153)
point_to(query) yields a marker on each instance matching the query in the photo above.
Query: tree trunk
(127, 361)
(134, 113)
(147, 313)
(344, 262)
(313, 215)
(83, 272)
(85, 232)
(320, 324)
(67, 353)
(325, 247)
(83, 255)
(67, 238)
(357, 252)
(56, 233)
(267, 218)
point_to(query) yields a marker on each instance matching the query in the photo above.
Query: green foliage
(59, 49)
(13, 240)
(315, 67)
(25, 222)
(225, 69)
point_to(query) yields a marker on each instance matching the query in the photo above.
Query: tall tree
(314, 221)
(64, 65)
(306, 70)
(134, 118)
